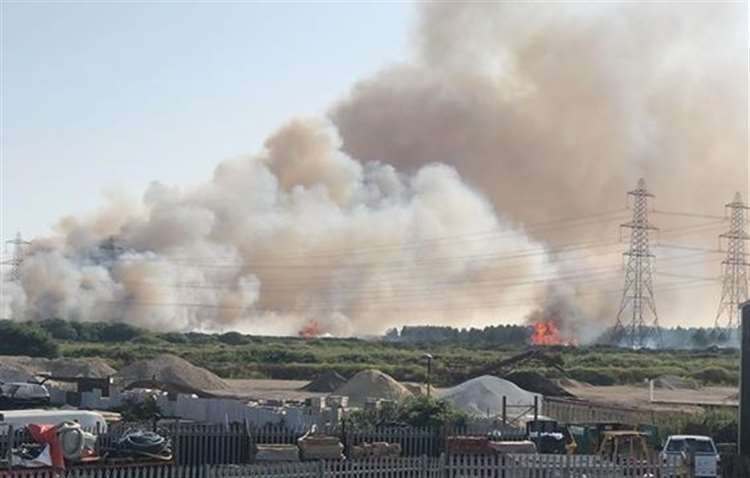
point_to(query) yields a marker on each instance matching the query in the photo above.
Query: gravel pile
(484, 395)
(325, 383)
(20, 368)
(171, 370)
(373, 384)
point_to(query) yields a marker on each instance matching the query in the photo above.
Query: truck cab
(696, 451)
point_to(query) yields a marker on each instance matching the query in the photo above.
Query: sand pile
(171, 370)
(417, 389)
(325, 383)
(63, 367)
(484, 395)
(373, 384)
(537, 383)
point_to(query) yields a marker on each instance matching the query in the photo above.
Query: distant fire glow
(311, 330)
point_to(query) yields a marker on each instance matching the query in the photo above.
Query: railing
(466, 466)
(576, 411)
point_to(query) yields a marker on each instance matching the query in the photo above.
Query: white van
(20, 418)
(700, 449)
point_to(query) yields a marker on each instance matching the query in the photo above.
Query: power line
(687, 214)
(329, 307)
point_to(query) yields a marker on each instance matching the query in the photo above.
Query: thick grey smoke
(267, 246)
(555, 110)
(558, 108)
(511, 114)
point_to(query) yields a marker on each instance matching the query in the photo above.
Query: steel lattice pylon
(638, 293)
(734, 276)
(18, 256)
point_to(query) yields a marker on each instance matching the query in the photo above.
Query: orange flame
(310, 330)
(548, 333)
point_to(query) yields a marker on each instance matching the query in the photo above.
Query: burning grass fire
(311, 330)
(548, 333)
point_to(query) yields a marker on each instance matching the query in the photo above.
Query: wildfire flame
(311, 330)
(548, 333)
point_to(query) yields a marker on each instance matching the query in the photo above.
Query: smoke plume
(415, 202)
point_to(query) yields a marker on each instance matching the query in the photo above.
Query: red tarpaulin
(48, 434)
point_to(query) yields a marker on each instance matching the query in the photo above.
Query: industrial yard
(410, 239)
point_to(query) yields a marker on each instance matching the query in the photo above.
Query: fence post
(505, 412)
(176, 442)
(9, 449)
(321, 469)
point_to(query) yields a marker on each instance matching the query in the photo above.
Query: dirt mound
(673, 382)
(537, 383)
(417, 389)
(90, 368)
(373, 384)
(63, 367)
(570, 383)
(171, 370)
(484, 395)
(15, 373)
(325, 383)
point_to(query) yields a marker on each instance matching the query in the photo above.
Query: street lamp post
(428, 357)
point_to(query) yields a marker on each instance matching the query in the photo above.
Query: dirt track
(638, 396)
(620, 395)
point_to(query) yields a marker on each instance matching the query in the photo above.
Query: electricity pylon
(734, 276)
(18, 256)
(638, 293)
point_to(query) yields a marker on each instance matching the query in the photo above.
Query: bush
(119, 332)
(416, 411)
(715, 375)
(174, 338)
(26, 339)
(198, 338)
(234, 338)
(592, 376)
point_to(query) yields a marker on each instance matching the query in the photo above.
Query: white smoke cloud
(296, 234)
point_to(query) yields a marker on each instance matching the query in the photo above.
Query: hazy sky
(107, 97)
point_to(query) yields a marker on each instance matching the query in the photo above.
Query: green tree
(59, 329)
(26, 339)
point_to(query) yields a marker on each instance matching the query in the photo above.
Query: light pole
(428, 357)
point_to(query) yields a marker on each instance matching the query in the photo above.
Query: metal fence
(578, 411)
(507, 466)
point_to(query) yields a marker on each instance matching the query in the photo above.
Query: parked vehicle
(697, 453)
(628, 448)
(550, 436)
(21, 395)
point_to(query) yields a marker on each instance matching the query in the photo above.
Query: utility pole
(734, 274)
(638, 292)
(18, 256)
